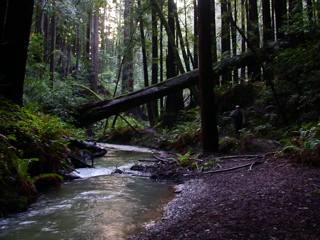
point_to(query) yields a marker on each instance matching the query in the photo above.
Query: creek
(100, 205)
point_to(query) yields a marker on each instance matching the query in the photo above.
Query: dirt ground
(273, 200)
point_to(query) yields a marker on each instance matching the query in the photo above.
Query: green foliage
(65, 96)
(29, 137)
(304, 147)
(31, 144)
(184, 134)
(187, 160)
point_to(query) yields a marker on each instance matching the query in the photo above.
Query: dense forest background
(58, 56)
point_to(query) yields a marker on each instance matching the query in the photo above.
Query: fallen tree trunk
(94, 112)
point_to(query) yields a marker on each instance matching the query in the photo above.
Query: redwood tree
(210, 139)
(15, 17)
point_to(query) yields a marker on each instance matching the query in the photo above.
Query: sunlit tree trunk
(210, 142)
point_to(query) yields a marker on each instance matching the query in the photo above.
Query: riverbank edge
(274, 200)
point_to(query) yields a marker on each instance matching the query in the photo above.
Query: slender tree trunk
(94, 49)
(127, 73)
(161, 63)
(46, 48)
(174, 100)
(213, 30)
(280, 11)
(210, 140)
(87, 55)
(225, 36)
(14, 39)
(53, 48)
(266, 18)
(39, 16)
(155, 68)
(181, 40)
(243, 42)
(254, 38)
(145, 69)
(195, 33)
(234, 39)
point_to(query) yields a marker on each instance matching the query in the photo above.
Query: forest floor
(274, 198)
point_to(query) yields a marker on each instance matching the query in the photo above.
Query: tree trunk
(145, 68)
(87, 55)
(280, 11)
(154, 77)
(254, 38)
(195, 33)
(15, 27)
(234, 39)
(174, 101)
(225, 36)
(53, 48)
(210, 138)
(266, 18)
(213, 30)
(93, 112)
(94, 49)
(127, 72)
(243, 42)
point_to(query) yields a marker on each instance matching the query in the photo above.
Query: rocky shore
(271, 200)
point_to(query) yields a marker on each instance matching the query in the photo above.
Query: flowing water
(101, 205)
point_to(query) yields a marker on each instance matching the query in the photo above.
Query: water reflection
(99, 206)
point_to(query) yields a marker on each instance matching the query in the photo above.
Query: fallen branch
(160, 159)
(234, 168)
(149, 160)
(241, 156)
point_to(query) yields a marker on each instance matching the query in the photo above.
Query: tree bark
(254, 38)
(225, 36)
(174, 101)
(94, 54)
(127, 72)
(154, 77)
(53, 46)
(266, 18)
(145, 68)
(94, 112)
(15, 17)
(209, 130)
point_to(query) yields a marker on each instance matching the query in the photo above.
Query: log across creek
(93, 112)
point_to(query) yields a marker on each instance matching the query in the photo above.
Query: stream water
(101, 205)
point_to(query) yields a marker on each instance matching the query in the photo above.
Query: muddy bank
(274, 200)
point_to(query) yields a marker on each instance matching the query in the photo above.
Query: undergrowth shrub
(304, 146)
(31, 144)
